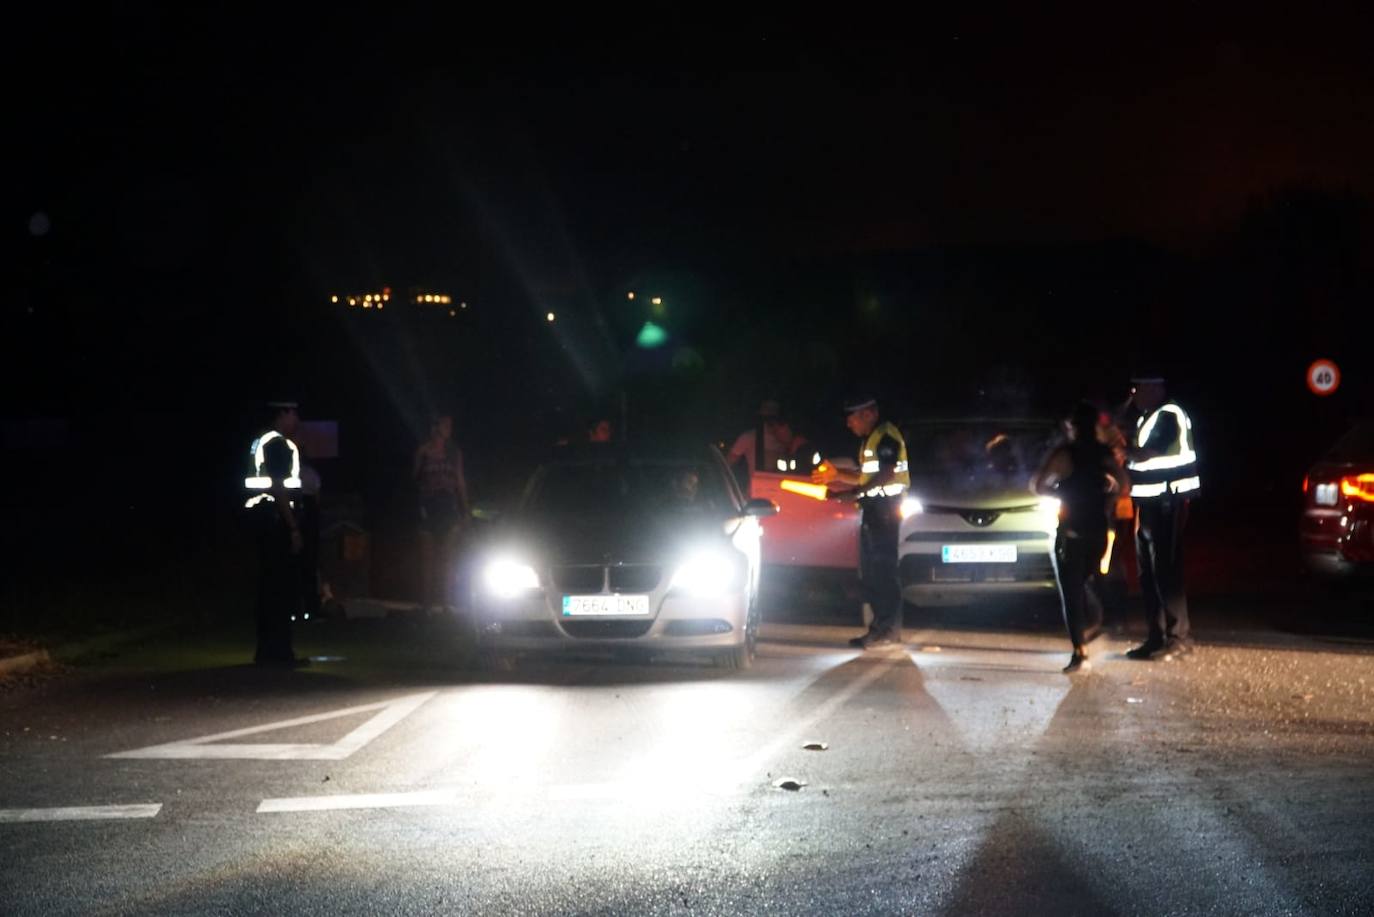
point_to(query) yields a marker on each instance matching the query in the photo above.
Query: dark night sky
(930, 191)
(396, 143)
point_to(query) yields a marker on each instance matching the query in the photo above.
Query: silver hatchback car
(971, 527)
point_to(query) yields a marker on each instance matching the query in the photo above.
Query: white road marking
(391, 713)
(1009, 714)
(360, 801)
(80, 813)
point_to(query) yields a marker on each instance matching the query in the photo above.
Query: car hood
(570, 541)
(973, 491)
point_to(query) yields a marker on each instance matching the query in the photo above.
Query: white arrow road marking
(360, 801)
(1006, 713)
(80, 813)
(390, 713)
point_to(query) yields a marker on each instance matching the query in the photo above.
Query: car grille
(976, 537)
(586, 580)
(606, 630)
(635, 577)
(579, 580)
(539, 629)
(916, 569)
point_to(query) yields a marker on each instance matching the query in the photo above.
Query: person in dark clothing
(274, 486)
(1086, 477)
(1163, 463)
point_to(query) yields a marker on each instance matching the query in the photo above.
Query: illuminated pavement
(962, 774)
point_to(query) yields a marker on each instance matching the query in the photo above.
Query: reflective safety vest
(258, 482)
(869, 466)
(1175, 470)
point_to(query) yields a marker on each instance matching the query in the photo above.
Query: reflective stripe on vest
(869, 464)
(1174, 472)
(258, 482)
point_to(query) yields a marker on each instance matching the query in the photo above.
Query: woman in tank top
(1086, 477)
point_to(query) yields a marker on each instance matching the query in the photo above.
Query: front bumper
(1338, 543)
(926, 577)
(676, 622)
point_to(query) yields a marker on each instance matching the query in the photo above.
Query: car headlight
(912, 507)
(508, 578)
(1050, 506)
(706, 574)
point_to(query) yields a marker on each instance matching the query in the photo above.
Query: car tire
(736, 659)
(739, 658)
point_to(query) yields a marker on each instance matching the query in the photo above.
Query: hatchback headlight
(508, 578)
(705, 574)
(1050, 506)
(912, 507)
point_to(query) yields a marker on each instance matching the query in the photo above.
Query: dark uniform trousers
(1159, 550)
(279, 585)
(878, 564)
(1076, 562)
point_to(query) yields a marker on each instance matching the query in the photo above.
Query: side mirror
(760, 508)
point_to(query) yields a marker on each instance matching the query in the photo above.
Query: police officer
(1164, 478)
(274, 487)
(878, 487)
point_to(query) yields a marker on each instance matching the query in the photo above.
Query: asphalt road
(961, 774)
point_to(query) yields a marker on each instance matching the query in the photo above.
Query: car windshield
(982, 453)
(618, 488)
(1355, 446)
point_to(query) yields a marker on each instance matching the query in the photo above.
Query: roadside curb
(76, 652)
(107, 644)
(17, 665)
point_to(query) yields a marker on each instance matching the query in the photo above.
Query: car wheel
(742, 657)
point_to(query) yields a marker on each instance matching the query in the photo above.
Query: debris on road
(816, 746)
(789, 783)
(1135, 700)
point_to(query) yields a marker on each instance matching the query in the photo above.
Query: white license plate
(978, 553)
(577, 605)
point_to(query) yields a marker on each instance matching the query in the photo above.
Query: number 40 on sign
(1323, 377)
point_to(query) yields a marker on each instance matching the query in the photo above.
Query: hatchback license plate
(594, 605)
(978, 553)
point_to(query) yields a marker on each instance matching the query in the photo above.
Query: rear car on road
(617, 547)
(971, 527)
(1337, 529)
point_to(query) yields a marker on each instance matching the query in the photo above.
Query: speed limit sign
(1323, 377)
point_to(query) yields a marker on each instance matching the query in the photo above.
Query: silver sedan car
(625, 548)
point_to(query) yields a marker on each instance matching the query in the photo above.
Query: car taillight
(1306, 480)
(1358, 487)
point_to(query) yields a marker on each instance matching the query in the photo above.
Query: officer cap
(857, 401)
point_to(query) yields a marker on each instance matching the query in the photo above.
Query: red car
(1337, 533)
